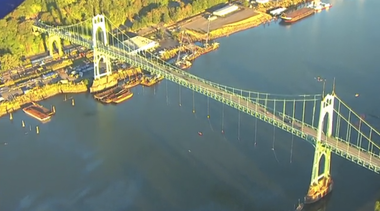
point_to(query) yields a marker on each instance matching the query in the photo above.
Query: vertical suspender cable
(193, 103)
(337, 127)
(303, 113)
(313, 117)
(167, 97)
(239, 119)
(348, 132)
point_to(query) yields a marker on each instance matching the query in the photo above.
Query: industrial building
(225, 10)
(138, 44)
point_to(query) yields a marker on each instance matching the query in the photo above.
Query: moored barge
(122, 97)
(293, 16)
(38, 112)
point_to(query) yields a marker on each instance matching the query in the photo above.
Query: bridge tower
(321, 183)
(54, 39)
(99, 22)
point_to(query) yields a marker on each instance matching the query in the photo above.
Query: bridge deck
(303, 130)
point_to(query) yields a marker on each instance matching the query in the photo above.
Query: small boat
(131, 83)
(300, 206)
(325, 6)
(149, 81)
(200, 133)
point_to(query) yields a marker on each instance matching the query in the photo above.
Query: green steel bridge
(345, 132)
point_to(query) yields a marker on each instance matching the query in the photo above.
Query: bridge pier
(98, 22)
(58, 42)
(321, 183)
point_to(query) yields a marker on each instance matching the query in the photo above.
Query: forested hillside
(17, 41)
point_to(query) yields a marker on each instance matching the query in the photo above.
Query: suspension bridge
(325, 121)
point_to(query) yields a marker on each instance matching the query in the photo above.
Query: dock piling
(37, 130)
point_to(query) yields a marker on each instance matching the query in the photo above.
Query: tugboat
(183, 64)
(319, 190)
(319, 6)
(325, 6)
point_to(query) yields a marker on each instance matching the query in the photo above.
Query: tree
(166, 17)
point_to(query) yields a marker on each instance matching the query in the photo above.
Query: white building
(225, 10)
(138, 44)
(262, 1)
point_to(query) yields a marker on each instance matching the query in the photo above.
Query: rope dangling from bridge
(179, 96)
(208, 113)
(167, 97)
(257, 98)
(222, 124)
(274, 133)
(239, 125)
(193, 103)
(291, 145)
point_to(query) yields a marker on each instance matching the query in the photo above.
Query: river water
(146, 154)
(8, 6)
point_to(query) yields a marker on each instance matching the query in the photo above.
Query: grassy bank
(41, 93)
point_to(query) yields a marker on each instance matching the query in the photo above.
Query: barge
(39, 112)
(121, 97)
(296, 15)
(201, 51)
(102, 94)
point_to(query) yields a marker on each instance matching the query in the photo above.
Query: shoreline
(40, 94)
(51, 90)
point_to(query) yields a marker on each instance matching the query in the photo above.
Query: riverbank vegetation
(18, 42)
